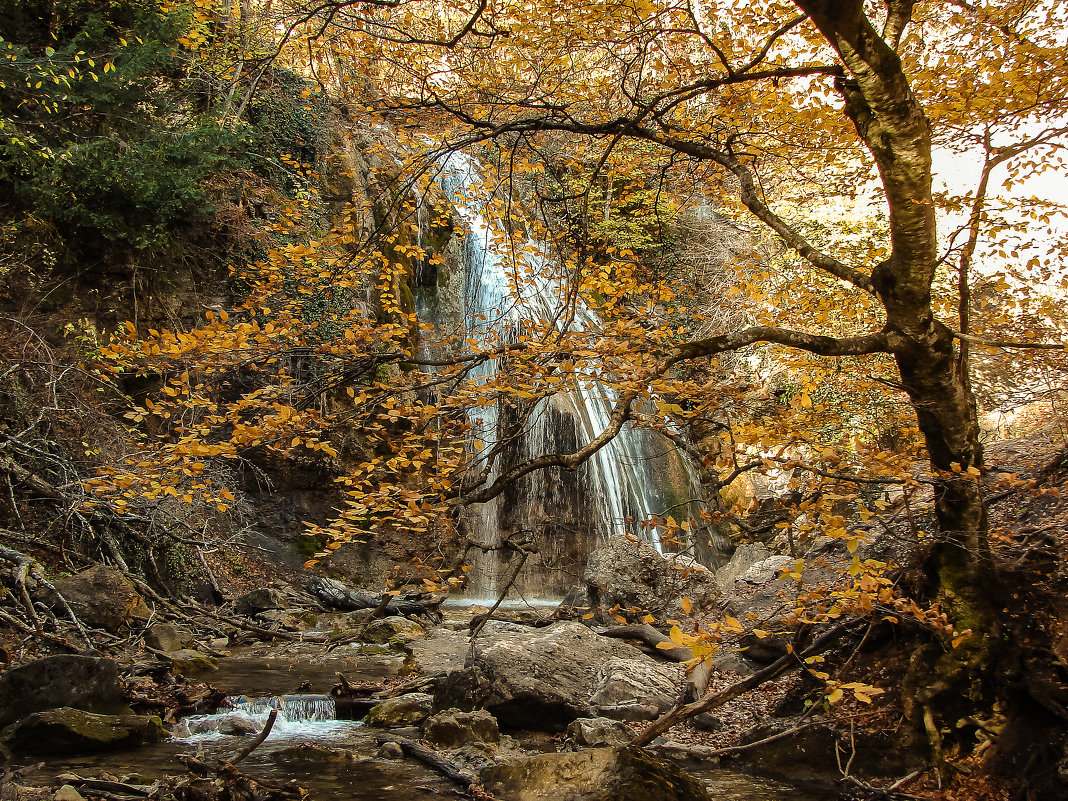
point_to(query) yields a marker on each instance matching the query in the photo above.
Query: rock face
(633, 574)
(453, 728)
(67, 731)
(637, 681)
(103, 597)
(404, 710)
(533, 678)
(83, 682)
(602, 774)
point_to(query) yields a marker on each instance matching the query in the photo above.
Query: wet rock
(83, 682)
(395, 628)
(533, 678)
(390, 751)
(259, 600)
(601, 774)
(454, 728)
(72, 731)
(404, 710)
(644, 682)
(103, 597)
(164, 637)
(633, 574)
(234, 725)
(188, 662)
(599, 732)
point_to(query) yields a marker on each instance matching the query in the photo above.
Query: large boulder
(259, 600)
(454, 728)
(533, 678)
(103, 597)
(637, 681)
(74, 731)
(632, 574)
(83, 682)
(601, 774)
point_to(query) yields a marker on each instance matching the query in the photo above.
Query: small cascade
(507, 287)
(298, 716)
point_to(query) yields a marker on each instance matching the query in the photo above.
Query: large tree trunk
(891, 122)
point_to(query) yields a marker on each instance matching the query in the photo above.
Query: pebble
(68, 793)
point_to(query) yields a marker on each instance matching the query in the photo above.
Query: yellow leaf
(687, 606)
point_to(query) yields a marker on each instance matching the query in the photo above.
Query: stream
(333, 759)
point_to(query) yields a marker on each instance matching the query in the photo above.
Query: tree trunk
(892, 124)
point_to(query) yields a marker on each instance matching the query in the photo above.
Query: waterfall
(505, 288)
(298, 716)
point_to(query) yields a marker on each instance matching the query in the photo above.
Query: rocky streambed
(407, 700)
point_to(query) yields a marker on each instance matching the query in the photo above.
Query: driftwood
(696, 680)
(224, 782)
(335, 595)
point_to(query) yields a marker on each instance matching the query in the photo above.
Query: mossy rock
(73, 731)
(404, 710)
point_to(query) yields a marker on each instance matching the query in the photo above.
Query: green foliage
(98, 139)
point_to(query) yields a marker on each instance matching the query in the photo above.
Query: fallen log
(335, 595)
(431, 758)
(684, 712)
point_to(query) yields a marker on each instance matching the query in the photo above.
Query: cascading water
(298, 716)
(637, 475)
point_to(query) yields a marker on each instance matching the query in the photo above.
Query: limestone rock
(601, 774)
(629, 711)
(599, 732)
(454, 728)
(73, 731)
(534, 678)
(639, 681)
(103, 597)
(164, 637)
(743, 558)
(404, 710)
(633, 574)
(82, 682)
